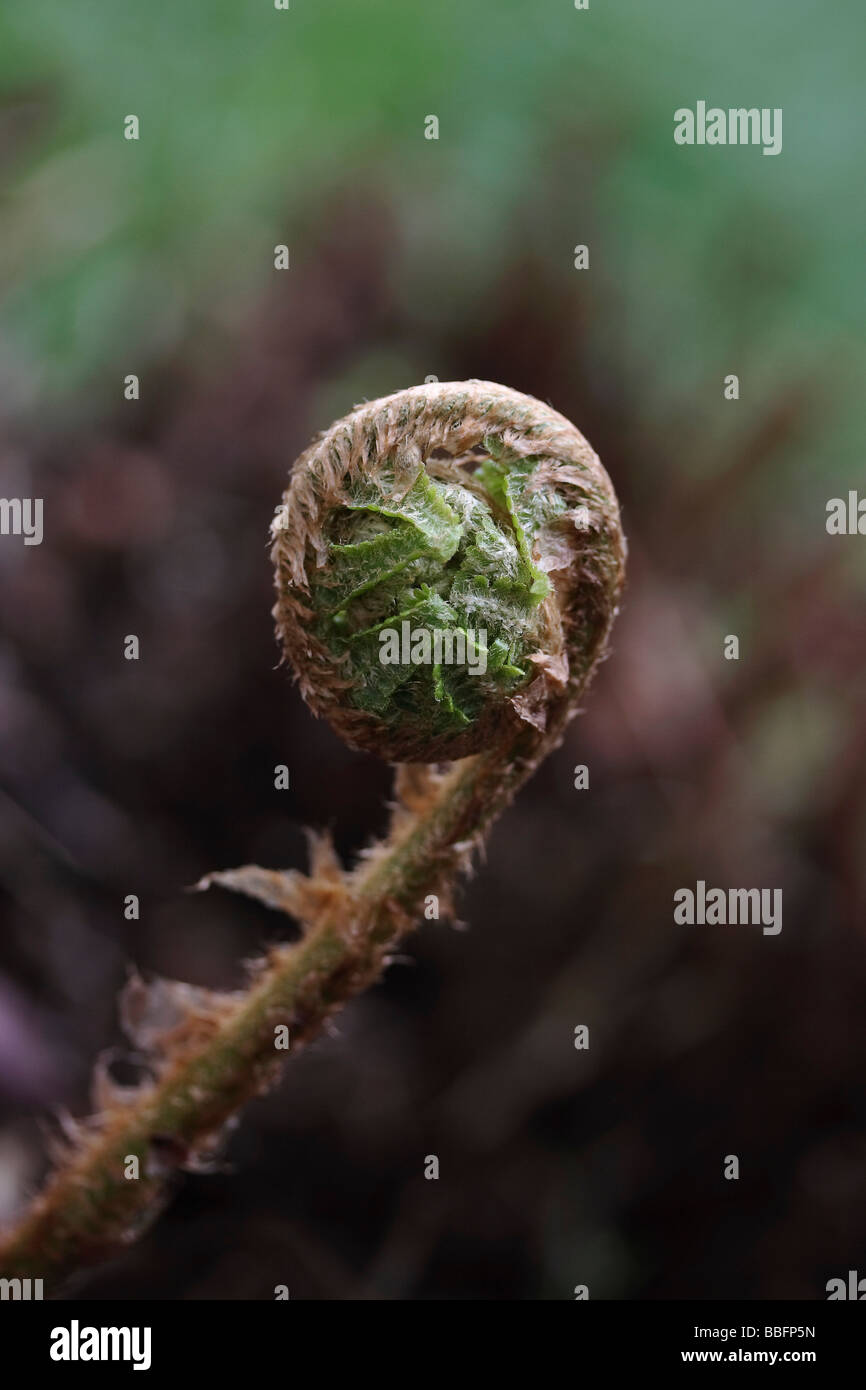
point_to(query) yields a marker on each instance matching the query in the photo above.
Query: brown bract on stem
(209, 1053)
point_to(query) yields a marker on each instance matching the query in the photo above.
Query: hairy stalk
(211, 1053)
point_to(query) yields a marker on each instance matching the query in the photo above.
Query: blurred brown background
(455, 258)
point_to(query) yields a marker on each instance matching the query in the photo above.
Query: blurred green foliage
(556, 127)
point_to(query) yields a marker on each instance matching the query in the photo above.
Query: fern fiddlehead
(452, 511)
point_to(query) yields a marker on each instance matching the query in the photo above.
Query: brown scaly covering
(445, 428)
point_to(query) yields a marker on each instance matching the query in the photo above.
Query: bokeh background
(412, 257)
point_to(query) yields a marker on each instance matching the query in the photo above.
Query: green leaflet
(378, 681)
(421, 526)
(438, 557)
